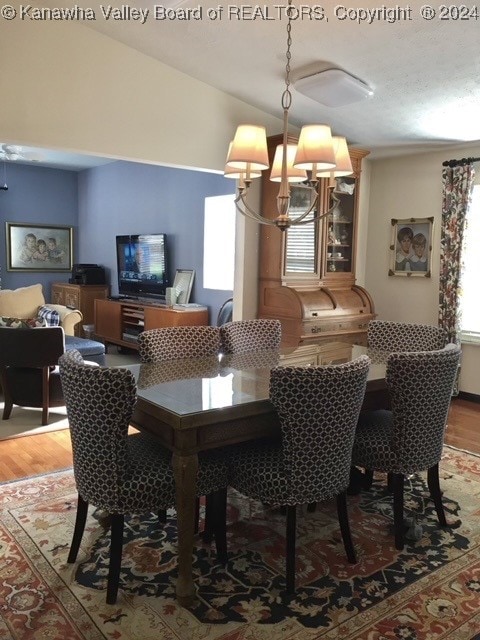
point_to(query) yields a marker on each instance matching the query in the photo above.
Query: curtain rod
(459, 163)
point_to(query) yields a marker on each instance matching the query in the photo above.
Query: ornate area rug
(431, 590)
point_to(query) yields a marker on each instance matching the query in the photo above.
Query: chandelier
(317, 155)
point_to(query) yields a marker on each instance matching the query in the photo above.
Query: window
(470, 300)
(219, 243)
(301, 240)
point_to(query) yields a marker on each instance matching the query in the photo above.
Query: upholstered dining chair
(176, 343)
(318, 409)
(28, 373)
(171, 343)
(390, 336)
(409, 438)
(244, 336)
(225, 313)
(120, 473)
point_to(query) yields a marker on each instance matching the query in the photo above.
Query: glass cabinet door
(341, 227)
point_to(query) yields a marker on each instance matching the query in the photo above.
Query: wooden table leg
(185, 472)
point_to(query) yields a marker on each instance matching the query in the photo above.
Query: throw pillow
(22, 323)
(51, 316)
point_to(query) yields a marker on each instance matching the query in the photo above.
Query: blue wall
(128, 198)
(36, 195)
(114, 199)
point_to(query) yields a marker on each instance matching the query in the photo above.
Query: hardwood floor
(31, 455)
(463, 430)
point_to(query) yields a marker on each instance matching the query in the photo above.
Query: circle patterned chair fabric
(246, 336)
(171, 343)
(119, 473)
(409, 438)
(318, 409)
(399, 336)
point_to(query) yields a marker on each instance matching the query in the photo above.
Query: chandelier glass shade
(317, 155)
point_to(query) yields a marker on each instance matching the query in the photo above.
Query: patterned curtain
(457, 192)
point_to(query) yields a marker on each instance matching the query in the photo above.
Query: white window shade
(469, 301)
(219, 243)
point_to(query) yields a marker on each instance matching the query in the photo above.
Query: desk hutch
(307, 274)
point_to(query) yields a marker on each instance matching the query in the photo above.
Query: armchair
(25, 302)
(28, 371)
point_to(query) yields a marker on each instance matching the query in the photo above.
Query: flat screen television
(142, 263)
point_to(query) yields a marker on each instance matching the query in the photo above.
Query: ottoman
(89, 349)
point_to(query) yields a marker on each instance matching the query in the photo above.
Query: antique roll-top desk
(307, 274)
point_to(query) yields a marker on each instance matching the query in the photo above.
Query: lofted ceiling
(424, 72)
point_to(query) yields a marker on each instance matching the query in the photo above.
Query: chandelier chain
(287, 96)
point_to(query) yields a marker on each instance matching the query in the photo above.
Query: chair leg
(218, 502)
(8, 404)
(197, 514)
(368, 479)
(355, 483)
(80, 519)
(291, 535)
(397, 483)
(45, 394)
(345, 527)
(7, 408)
(116, 544)
(390, 482)
(209, 525)
(433, 481)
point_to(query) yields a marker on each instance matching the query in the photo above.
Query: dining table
(200, 404)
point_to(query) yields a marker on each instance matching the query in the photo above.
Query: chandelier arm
(306, 213)
(251, 213)
(335, 199)
(318, 217)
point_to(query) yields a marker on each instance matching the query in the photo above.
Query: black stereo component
(87, 274)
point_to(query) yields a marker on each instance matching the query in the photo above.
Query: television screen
(142, 265)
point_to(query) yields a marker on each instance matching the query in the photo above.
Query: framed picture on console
(183, 285)
(38, 247)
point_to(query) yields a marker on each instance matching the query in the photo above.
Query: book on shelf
(191, 306)
(130, 337)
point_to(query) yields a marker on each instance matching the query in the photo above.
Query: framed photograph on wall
(183, 285)
(411, 247)
(38, 247)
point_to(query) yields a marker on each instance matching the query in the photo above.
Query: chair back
(100, 404)
(172, 343)
(401, 336)
(420, 386)
(33, 348)
(318, 408)
(245, 336)
(225, 313)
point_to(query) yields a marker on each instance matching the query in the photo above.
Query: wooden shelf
(114, 319)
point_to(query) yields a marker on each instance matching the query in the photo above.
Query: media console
(121, 321)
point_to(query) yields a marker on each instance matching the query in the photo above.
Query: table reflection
(189, 385)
